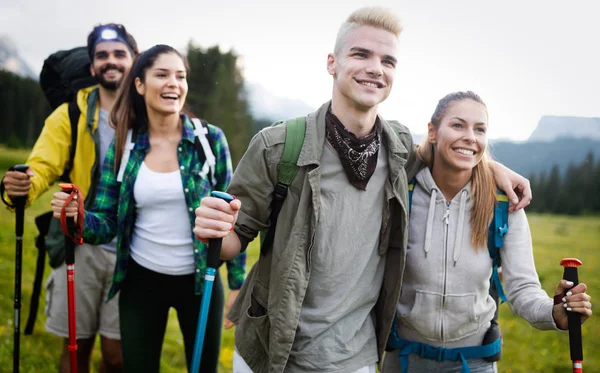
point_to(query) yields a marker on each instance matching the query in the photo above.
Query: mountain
(267, 107)
(11, 61)
(559, 140)
(537, 156)
(552, 127)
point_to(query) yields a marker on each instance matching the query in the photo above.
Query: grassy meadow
(525, 349)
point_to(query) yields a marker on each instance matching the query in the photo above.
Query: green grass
(530, 350)
(525, 349)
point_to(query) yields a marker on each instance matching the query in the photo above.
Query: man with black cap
(111, 50)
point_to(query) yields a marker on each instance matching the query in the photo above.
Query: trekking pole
(212, 263)
(574, 318)
(19, 205)
(70, 228)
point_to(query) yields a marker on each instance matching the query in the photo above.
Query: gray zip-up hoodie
(444, 300)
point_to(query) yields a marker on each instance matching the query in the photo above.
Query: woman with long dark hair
(151, 183)
(445, 309)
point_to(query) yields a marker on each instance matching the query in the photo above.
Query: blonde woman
(445, 308)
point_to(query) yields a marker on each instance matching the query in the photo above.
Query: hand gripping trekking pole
(19, 205)
(72, 233)
(212, 263)
(574, 318)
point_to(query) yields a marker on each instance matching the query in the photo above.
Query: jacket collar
(87, 100)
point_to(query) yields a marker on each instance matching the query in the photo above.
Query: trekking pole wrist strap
(2, 194)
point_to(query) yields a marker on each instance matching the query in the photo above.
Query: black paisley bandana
(358, 156)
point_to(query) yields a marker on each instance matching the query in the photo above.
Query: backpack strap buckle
(280, 191)
(502, 230)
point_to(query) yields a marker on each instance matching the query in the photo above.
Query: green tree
(534, 206)
(552, 189)
(23, 109)
(216, 93)
(540, 192)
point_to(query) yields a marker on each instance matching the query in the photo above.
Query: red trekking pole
(72, 233)
(574, 318)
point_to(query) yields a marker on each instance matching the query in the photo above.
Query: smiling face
(165, 85)
(112, 61)
(460, 140)
(364, 69)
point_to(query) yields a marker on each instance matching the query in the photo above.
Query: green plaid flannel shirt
(113, 213)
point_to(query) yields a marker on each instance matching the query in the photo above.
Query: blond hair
(483, 186)
(377, 17)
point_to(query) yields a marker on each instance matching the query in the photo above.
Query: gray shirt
(336, 330)
(106, 134)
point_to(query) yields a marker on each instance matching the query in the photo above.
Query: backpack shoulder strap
(498, 228)
(500, 218)
(203, 147)
(129, 145)
(411, 187)
(74, 113)
(295, 131)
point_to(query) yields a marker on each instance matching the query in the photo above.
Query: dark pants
(144, 303)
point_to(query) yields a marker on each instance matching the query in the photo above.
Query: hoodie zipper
(446, 223)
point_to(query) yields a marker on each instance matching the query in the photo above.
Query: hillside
(534, 157)
(552, 127)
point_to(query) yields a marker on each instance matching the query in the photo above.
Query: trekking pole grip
(69, 245)
(213, 258)
(574, 319)
(19, 202)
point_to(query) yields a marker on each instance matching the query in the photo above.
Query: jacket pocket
(423, 317)
(254, 327)
(456, 321)
(459, 317)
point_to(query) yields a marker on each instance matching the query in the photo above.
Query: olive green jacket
(268, 307)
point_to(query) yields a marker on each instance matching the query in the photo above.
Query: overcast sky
(524, 58)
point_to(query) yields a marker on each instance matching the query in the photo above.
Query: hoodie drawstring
(430, 222)
(459, 226)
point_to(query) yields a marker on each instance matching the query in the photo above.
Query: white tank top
(162, 235)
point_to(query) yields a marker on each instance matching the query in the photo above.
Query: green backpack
(286, 172)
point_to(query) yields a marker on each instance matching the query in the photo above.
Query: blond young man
(325, 299)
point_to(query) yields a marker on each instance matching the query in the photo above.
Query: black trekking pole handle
(19, 202)
(19, 205)
(213, 259)
(72, 226)
(574, 319)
